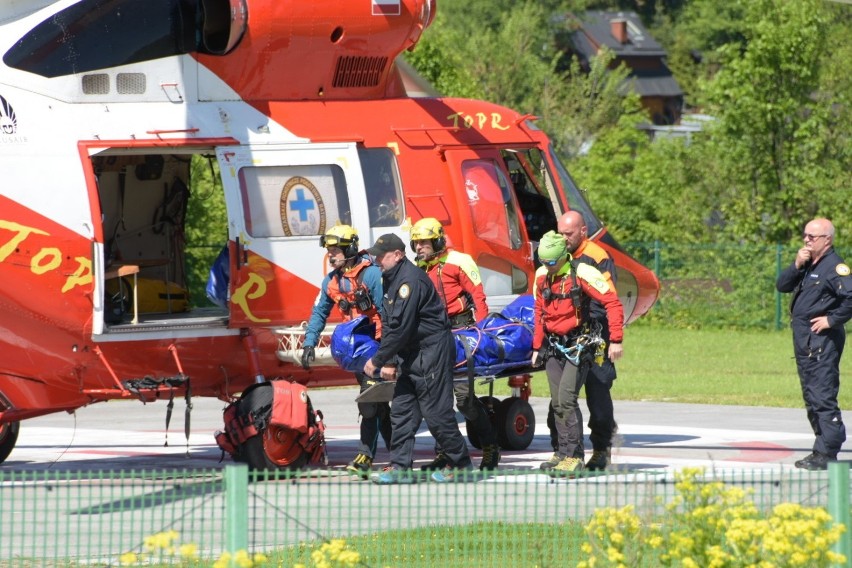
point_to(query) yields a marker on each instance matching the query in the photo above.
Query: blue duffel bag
(353, 344)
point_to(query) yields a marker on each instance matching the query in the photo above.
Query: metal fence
(518, 518)
(727, 286)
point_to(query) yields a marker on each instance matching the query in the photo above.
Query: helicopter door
(498, 242)
(280, 200)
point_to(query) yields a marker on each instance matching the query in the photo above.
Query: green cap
(552, 246)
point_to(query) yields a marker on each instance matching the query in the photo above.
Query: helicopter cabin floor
(196, 318)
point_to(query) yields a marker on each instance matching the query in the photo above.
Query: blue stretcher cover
(497, 343)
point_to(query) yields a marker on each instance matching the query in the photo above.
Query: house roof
(595, 30)
(658, 83)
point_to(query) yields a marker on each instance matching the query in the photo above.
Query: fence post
(838, 506)
(657, 261)
(236, 509)
(778, 251)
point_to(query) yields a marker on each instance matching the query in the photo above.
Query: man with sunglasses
(821, 285)
(563, 290)
(354, 287)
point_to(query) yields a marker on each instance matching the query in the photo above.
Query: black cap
(386, 243)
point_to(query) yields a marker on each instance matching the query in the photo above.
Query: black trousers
(375, 420)
(476, 415)
(818, 363)
(424, 390)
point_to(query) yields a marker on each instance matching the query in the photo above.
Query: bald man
(601, 415)
(821, 306)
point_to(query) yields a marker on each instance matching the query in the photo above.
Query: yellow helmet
(343, 236)
(429, 229)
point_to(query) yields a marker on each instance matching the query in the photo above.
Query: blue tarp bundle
(352, 344)
(498, 342)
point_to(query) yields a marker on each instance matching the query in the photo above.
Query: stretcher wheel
(8, 437)
(490, 404)
(515, 424)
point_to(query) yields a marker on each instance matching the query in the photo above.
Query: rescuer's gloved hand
(307, 357)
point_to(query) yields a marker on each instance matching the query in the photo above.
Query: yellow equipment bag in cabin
(155, 296)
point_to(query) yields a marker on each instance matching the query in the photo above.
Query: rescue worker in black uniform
(821, 305)
(418, 352)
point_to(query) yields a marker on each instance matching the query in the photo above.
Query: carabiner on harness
(587, 341)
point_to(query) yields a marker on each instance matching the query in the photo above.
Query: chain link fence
(718, 286)
(509, 518)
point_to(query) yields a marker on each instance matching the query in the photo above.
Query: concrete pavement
(652, 436)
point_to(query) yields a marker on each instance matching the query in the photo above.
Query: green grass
(751, 368)
(479, 544)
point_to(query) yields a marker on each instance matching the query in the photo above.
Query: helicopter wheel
(8, 437)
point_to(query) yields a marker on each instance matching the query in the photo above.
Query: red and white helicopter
(103, 106)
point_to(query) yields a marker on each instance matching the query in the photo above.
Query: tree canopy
(775, 75)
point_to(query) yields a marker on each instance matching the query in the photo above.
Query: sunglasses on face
(810, 237)
(550, 262)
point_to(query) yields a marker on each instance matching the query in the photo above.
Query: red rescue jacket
(558, 314)
(456, 277)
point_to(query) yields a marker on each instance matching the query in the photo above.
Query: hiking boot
(814, 462)
(568, 466)
(554, 460)
(440, 462)
(393, 476)
(599, 461)
(360, 465)
(452, 474)
(490, 457)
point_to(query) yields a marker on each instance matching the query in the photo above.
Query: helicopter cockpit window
(381, 180)
(293, 201)
(489, 194)
(532, 190)
(575, 198)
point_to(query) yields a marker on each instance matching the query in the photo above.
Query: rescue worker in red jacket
(354, 286)
(602, 424)
(456, 278)
(562, 291)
